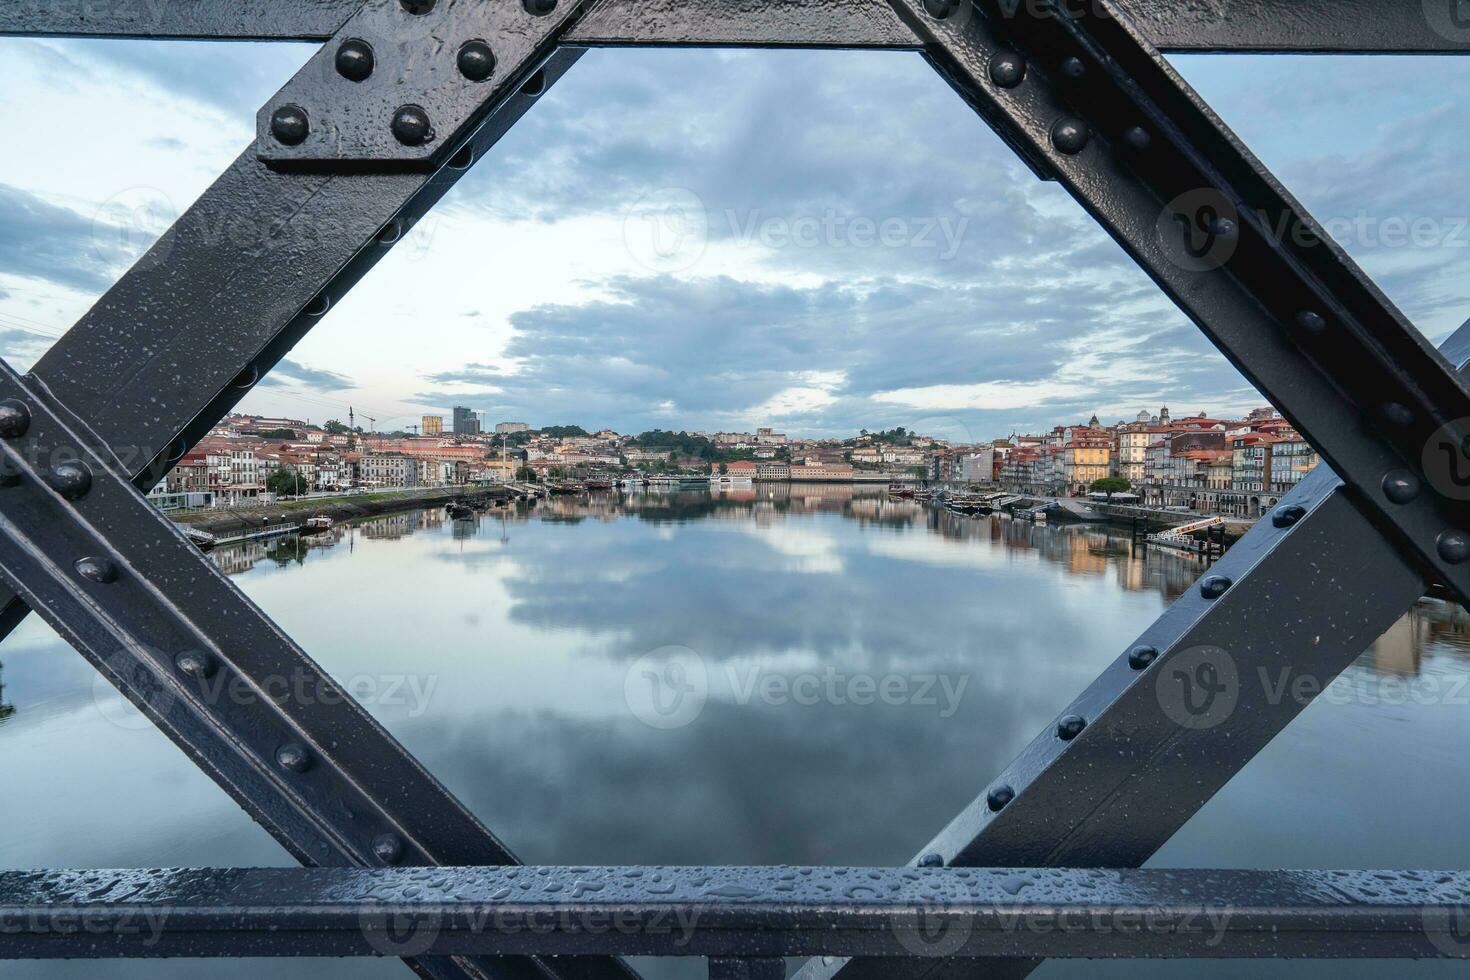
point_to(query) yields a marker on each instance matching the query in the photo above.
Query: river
(864, 667)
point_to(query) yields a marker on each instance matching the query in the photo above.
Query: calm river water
(517, 655)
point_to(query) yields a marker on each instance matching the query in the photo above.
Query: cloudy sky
(818, 241)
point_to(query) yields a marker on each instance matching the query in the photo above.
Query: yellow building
(1084, 461)
(433, 425)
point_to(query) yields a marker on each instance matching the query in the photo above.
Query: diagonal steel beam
(736, 913)
(1345, 26)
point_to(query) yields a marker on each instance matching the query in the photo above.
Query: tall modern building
(433, 425)
(466, 422)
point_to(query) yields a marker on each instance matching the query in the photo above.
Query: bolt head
(940, 9)
(1225, 228)
(998, 797)
(539, 8)
(417, 6)
(476, 61)
(1007, 69)
(15, 418)
(195, 663)
(247, 377)
(931, 861)
(1070, 727)
(290, 125)
(100, 570)
(293, 757)
(1401, 486)
(355, 60)
(1287, 516)
(71, 480)
(411, 126)
(1140, 657)
(1311, 322)
(1070, 135)
(9, 475)
(1214, 586)
(1397, 413)
(1137, 138)
(1073, 69)
(388, 848)
(1453, 546)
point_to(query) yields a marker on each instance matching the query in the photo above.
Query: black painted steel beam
(752, 914)
(118, 581)
(1342, 26)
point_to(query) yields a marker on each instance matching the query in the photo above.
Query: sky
(717, 240)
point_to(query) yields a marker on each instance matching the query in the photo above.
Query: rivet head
(196, 663)
(290, 125)
(355, 60)
(1453, 546)
(1138, 138)
(388, 848)
(247, 377)
(411, 126)
(1310, 321)
(1140, 657)
(476, 61)
(1074, 69)
(998, 797)
(539, 8)
(417, 6)
(293, 757)
(1397, 414)
(1070, 727)
(1224, 228)
(1287, 516)
(1070, 135)
(1214, 586)
(15, 418)
(940, 9)
(931, 861)
(1401, 486)
(1007, 69)
(71, 480)
(9, 475)
(101, 570)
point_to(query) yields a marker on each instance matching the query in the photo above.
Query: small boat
(460, 511)
(317, 524)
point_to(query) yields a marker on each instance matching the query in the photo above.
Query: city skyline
(531, 291)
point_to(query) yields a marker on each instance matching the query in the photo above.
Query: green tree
(525, 475)
(286, 482)
(335, 427)
(1110, 485)
(286, 434)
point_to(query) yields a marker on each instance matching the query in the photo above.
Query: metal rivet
(318, 306)
(1401, 486)
(1141, 657)
(476, 61)
(294, 757)
(290, 125)
(1070, 727)
(388, 848)
(998, 797)
(1454, 546)
(15, 418)
(417, 6)
(1214, 586)
(1074, 69)
(1007, 69)
(464, 158)
(1311, 322)
(390, 233)
(71, 480)
(1225, 229)
(101, 570)
(9, 475)
(355, 60)
(539, 8)
(195, 663)
(1070, 135)
(931, 861)
(940, 9)
(1137, 138)
(535, 85)
(411, 126)
(1397, 414)
(247, 377)
(1288, 515)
